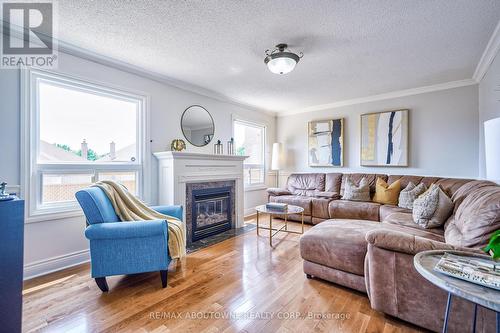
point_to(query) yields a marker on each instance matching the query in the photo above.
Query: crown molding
(139, 71)
(384, 96)
(101, 59)
(489, 55)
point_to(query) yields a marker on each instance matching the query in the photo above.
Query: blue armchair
(124, 247)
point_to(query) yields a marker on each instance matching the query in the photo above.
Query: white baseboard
(53, 264)
(249, 211)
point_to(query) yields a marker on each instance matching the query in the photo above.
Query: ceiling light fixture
(281, 60)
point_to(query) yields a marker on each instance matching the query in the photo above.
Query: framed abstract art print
(384, 138)
(326, 143)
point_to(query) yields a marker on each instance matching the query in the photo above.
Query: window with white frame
(80, 133)
(250, 140)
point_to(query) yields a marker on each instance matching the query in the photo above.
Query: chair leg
(102, 284)
(163, 275)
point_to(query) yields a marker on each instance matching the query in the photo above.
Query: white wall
(489, 105)
(443, 129)
(56, 243)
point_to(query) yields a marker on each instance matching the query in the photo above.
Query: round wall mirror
(197, 125)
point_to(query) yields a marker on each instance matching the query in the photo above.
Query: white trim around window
(32, 170)
(261, 185)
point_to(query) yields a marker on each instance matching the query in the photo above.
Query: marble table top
(291, 210)
(424, 263)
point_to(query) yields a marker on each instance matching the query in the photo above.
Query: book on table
(480, 271)
(277, 206)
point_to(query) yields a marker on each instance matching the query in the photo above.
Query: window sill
(52, 216)
(252, 188)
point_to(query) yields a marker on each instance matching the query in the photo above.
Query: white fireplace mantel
(176, 169)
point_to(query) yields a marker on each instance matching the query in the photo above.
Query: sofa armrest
(127, 230)
(174, 210)
(274, 191)
(409, 244)
(327, 195)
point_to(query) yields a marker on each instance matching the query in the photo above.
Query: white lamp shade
(281, 65)
(492, 148)
(276, 156)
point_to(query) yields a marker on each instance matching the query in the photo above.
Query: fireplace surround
(179, 173)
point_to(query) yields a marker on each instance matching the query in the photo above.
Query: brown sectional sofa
(370, 247)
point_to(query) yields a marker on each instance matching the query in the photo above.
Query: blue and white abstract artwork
(326, 143)
(384, 138)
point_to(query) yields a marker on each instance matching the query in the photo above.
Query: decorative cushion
(432, 208)
(356, 193)
(408, 195)
(385, 193)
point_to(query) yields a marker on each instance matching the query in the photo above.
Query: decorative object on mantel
(197, 125)
(326, 143)
(492, 147)
(230, 147)
(218, 148)
(276, 161)
(4, 196)
(280, 60)
(493, 247)
(384, 138)
(178, 145)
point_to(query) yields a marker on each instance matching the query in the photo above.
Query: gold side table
(262, 209)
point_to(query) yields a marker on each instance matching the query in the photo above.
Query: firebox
(211, 211)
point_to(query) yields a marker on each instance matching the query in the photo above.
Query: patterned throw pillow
(408, 195)
(355, 192)
(432, 209)
(387, 194)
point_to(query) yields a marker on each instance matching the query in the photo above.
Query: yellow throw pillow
(387, 194)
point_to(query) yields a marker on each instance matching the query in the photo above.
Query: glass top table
(291, 209)
(489, 298)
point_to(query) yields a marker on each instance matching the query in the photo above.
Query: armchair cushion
(126, 230)
(278, 191)
(406, 243)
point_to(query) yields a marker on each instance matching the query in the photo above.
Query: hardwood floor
(239, 285)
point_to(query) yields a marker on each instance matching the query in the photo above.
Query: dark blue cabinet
(11, 261)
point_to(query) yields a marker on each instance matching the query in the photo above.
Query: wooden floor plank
(239, 285)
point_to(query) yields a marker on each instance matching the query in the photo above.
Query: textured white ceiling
(351, 48)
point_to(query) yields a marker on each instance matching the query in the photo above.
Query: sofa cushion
(297, 200)
(409, 194)
(461, 193)
(356, 178)
(333, 181)
(476, 218)
(344, 209)
(404, 180)
(277, 191)
(432, 208)
(319, 207)
(386, 210)
(356, 192)
(385, 193)
(339, 244)
(306, 183)
(404, 222)
(451, 185)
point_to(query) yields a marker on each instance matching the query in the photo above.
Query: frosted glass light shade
(281, 65)
(492, 149)
(276, 156)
